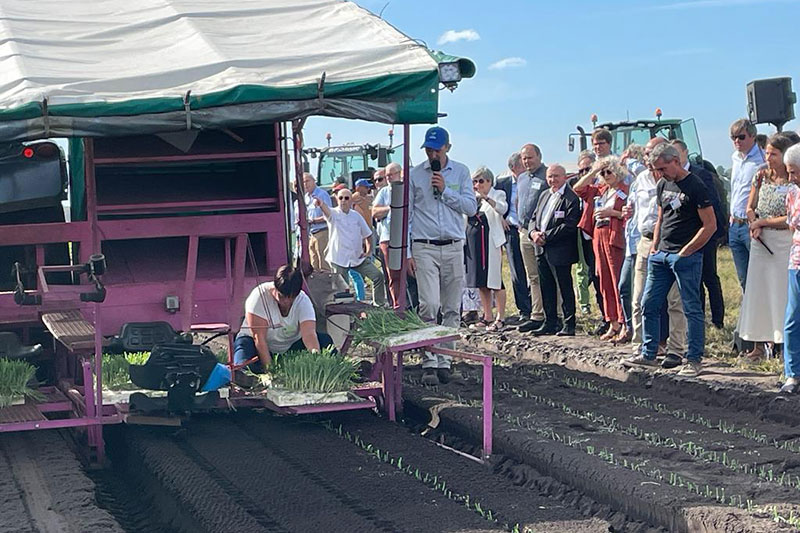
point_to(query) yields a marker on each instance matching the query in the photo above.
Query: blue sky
(566, 60)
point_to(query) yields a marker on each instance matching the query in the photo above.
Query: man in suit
(554, 233)
(511, 219)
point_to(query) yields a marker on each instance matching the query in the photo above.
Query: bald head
(652, 143)
(344, 197)
(556, 176)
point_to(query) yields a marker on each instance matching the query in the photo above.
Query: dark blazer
(504, 184)
(561, 233)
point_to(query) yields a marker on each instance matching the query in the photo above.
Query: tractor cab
(345, 164)
(640, 131)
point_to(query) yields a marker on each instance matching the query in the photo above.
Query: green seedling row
(15, 376)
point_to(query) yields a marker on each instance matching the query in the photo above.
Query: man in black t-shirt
(685, 223)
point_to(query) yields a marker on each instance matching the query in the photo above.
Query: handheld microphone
(436, 166)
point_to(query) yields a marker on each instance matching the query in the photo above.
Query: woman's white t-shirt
(283, 331)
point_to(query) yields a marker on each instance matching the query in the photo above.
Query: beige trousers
(317, 246)
(440, 282)
(532, 270)
(676, 343)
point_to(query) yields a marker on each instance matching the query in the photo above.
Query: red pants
(394, 275)
(608, 260)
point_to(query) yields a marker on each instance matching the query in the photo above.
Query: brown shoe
(623, 337)
(611, 334)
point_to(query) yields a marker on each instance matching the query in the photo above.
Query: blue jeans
(739, 243)
(791, 327)
(664, 269)
(626, 290)
(244, 348)
(358, 285)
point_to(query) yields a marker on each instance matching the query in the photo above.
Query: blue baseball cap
(363, 182)
(436, 138)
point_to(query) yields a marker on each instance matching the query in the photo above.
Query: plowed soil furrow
(689, 463)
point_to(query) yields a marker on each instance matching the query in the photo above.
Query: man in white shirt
(350, 246)
(747, 159)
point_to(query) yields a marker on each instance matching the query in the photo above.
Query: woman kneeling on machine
(279, 318)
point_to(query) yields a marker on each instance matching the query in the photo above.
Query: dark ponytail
(289, 281)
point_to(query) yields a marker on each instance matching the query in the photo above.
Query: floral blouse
(771, 200)
(793, 219)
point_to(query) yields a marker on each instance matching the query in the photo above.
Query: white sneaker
(691, 369)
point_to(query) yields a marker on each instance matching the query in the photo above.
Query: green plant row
(14, 378)
(305, 371)
(378, 324)
(432, 481)
(674, 479)
(690, 448)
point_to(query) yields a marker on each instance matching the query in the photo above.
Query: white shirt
(346, 239)
(645, 208)
(550, 207)
(283, 331)
(383, 199)
(742, 172)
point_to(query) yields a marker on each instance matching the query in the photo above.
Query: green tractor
(350, 162)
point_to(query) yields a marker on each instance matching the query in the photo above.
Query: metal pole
(302, 217)
(401, 296)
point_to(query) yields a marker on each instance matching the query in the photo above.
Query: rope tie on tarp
(321, 91)
(46, 117)
(187, 107)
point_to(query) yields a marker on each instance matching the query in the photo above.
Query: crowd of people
(641, 230)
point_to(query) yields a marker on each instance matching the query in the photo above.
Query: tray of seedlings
(310, 378)
(17, 382)
(386, 329)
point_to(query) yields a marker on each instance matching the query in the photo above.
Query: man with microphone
(440, 196)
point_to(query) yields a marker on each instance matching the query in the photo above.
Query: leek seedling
(381, 323)
(116, 374)
(14, 378)
(305, 371)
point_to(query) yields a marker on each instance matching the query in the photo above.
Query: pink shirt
(793, 219)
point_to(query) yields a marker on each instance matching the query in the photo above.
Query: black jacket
(719, 214)
(504, 184)
(561, 233)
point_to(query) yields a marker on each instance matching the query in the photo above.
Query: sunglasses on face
(584, 170)
(740, 137)
(479, 180)
(606, 172)
(344, 197)
(379, 180)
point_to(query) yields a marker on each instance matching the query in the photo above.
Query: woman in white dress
(765, 295)
(484, 248)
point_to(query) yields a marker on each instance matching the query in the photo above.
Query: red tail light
(28, 152)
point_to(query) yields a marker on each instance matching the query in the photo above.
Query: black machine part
(771, 101)
(167, 361)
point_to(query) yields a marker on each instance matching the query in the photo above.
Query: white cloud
(508, 62)
(451, 36)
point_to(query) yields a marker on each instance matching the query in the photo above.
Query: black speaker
(771, 101)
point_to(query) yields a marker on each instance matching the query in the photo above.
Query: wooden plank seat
(14, 414)
(354, 308)
(71, 329)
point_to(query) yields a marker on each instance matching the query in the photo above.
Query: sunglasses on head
(740, 137)
(479, 180)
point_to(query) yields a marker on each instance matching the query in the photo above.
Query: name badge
(536, 185)
(675, 204)
(622, 195)
(558, 214)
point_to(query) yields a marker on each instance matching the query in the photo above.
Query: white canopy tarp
(114, 67)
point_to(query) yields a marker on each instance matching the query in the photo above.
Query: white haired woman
(484, 248)
(608, 237)
(791, 326)
(764, 302)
